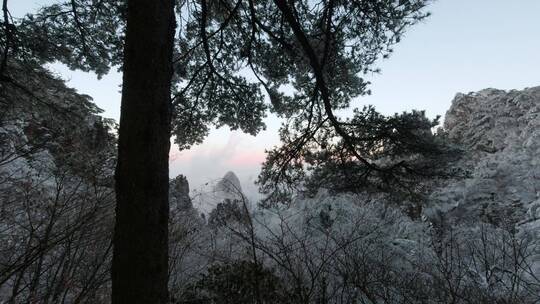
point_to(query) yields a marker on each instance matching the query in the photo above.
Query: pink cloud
(177, 155)
(246, 158)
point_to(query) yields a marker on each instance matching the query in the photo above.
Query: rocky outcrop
(215, 192)
(229, 186)
(494, 120)
(500, 133)
(179, 194)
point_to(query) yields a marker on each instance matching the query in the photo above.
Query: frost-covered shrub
(56, 193)
(237, 282)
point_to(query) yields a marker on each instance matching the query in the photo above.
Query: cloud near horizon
(223, 151)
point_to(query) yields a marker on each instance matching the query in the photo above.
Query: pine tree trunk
(140, 255)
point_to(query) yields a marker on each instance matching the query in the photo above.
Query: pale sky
(466, 45)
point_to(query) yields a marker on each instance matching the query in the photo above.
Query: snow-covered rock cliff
(500, 133)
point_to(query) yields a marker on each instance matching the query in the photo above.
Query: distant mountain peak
(229, 184)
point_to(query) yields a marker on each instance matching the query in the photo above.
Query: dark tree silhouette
(140, 254)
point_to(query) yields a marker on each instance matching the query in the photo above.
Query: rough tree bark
(140, 255)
